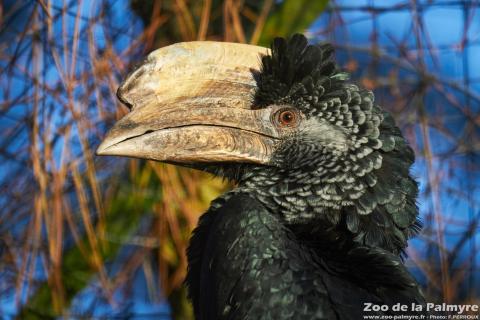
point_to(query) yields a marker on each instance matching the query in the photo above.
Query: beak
(192, 102)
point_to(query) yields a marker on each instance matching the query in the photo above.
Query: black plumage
(320, 230)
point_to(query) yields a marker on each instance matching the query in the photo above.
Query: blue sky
(444, 28)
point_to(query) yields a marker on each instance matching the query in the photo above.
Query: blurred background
(89, 237)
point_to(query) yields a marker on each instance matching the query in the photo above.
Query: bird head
(285, 123)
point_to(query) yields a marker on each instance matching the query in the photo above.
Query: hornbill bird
(324, 204)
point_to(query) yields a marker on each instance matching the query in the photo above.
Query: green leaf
(290, 17)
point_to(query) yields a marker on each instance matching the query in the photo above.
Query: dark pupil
(287, 117)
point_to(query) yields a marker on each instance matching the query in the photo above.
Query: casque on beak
(192, 102)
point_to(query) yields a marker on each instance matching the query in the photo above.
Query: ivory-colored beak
(192, 102)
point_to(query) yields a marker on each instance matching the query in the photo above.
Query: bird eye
(287, 118)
